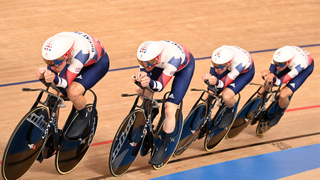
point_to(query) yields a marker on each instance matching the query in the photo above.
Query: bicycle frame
(265, 97)
(210, 102)
(39, 129)
(52, 126)
(143, 106)
(137, 125)
(198, 121)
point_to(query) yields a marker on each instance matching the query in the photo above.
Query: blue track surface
(274, 165)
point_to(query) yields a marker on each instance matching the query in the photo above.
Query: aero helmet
(282, 57)
(221, 57)
(57, 49)
(283, 54)
(148, 51)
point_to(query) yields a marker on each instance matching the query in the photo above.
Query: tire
(127, 142)
(25, 143)
(73, 151)
(243, 118)
(191, 128)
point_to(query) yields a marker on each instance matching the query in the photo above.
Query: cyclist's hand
(265, 73)
(49, 76)
(143, 78)
(212, 79)
(39, 72)
(269, 78)
(205, 77)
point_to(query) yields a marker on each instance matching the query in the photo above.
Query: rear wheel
(174, 140)
(25, 143)
(191, 128)
(127, 143)
(73, 151)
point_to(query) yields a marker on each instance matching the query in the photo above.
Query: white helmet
(222, 55)
(283, 54)
(56, 49)
(149, 50)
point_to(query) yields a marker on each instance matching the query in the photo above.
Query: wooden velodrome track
(122, 25)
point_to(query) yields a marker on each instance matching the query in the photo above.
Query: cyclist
(76, 62)
(291, 65)
(232, 68)
(159, 62)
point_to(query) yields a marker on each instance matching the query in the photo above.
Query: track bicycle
(137, 133)
(199, 122)
(37, 136)
(259, 108)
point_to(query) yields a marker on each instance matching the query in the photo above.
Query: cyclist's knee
(227, 95)
(285, 93)
(73, 95)
(74, 91)
(170, 110)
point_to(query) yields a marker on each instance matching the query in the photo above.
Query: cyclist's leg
(230, 91)
(179, 88)
(228, 99)
(85, 80)
(287, 91)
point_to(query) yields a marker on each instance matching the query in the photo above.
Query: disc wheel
(127, 143)
(25, 143)
(73, 151)
(174, 140)
(244, 116)
(215, 134)
(191, 128)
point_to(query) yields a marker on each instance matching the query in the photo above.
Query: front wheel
(215, 134)
(191, 128)
(244, 116)
(25, 143)
(73, 151)
(127, 142)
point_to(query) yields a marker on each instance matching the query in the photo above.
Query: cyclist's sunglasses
(280, 64)
(147, 64)
(56, 62)
(219, 66)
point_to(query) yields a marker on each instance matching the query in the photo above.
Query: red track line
(288, 110)
(302, 108)
(101, 143)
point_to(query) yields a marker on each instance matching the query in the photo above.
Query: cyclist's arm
(287, 77)
(72, 71)
(219, 83)
(166, 75)
(230, 77)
